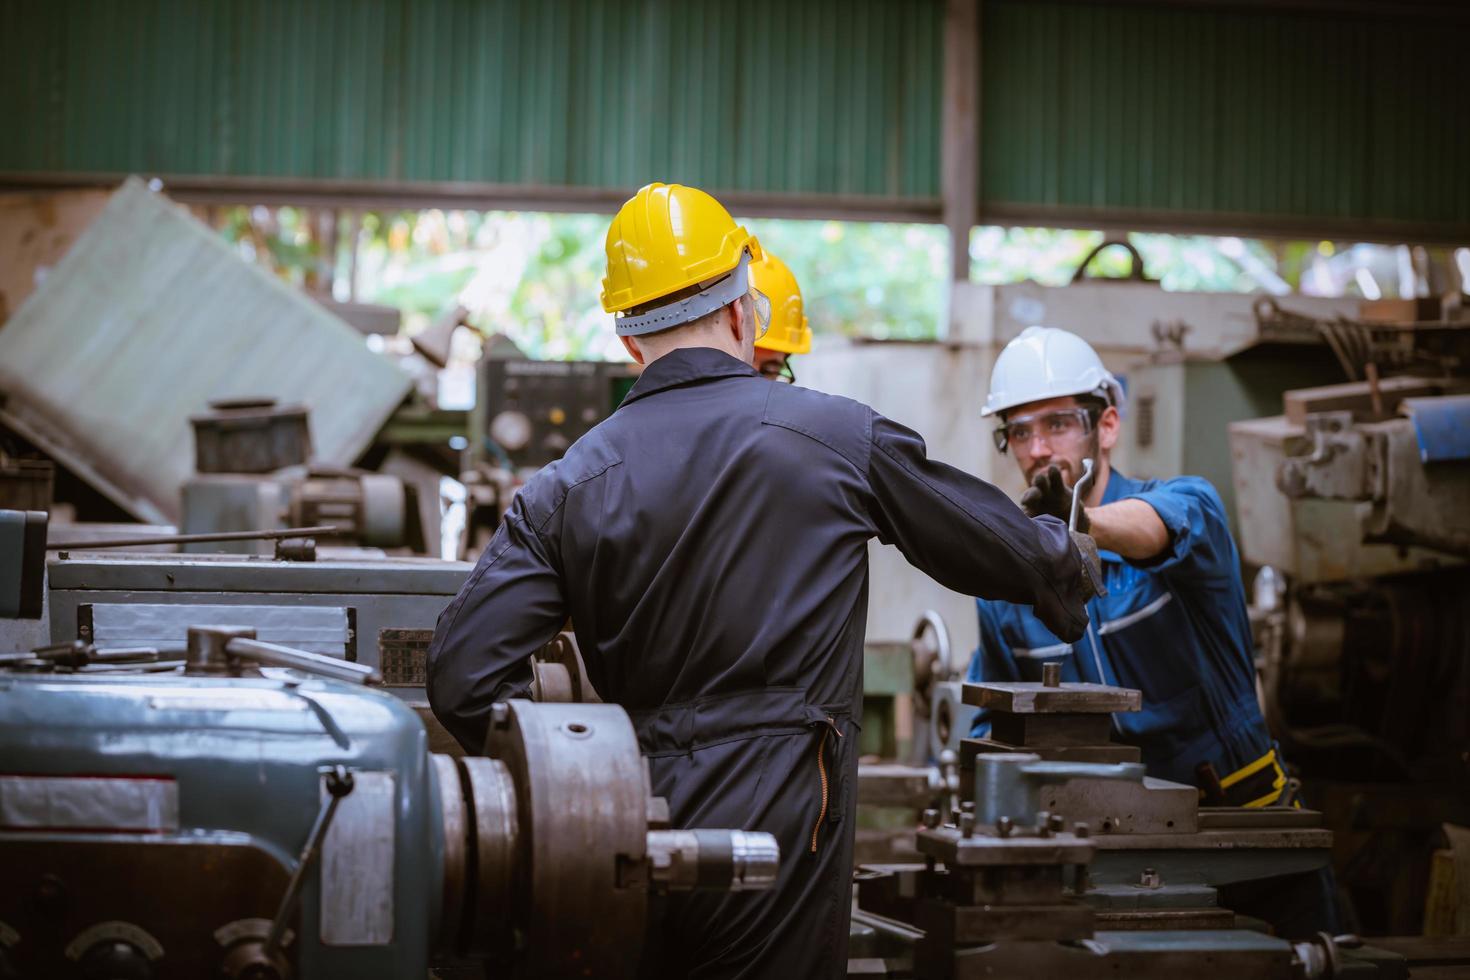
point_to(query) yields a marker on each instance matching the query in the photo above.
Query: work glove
(1092, 580)
(1049, 494)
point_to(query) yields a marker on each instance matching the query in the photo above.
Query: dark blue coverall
(1176, 628)
(709, 542)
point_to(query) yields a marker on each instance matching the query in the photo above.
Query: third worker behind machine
(1173, 623)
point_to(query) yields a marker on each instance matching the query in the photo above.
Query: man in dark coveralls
(709, 543)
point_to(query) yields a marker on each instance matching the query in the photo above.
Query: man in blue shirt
(1173, 623)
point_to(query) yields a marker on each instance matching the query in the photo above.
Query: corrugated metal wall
(1217, 118)
(1188, 116)
(833, 97)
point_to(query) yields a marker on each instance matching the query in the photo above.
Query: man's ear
(631, 346)
(739, 322)
(1109, 424)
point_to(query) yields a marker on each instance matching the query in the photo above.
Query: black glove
(1049, 494)
(1092, 580)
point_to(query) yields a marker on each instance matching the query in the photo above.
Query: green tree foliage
(536, 277)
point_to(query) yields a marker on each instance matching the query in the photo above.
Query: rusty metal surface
(150, 317)
(949, 845)
(455, 834)
(579, 787)
(1156, 806)
(1034, 698)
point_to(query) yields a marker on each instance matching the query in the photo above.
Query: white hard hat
(1045, 362)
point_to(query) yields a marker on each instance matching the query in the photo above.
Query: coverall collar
(687, 365)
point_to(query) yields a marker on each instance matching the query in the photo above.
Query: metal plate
(98, 804)
(1441, 426)
(1035, 698)
(238, 573)
(403, 656)
(357, 864)
(316, 629)
(947, 845)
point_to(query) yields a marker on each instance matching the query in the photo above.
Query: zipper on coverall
(830, 729)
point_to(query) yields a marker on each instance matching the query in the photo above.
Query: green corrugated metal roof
(1185, 116)
(836, 97)
(1208, 116)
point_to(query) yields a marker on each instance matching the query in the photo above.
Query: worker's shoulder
(586, 459)
(1192, 486)
(841, 424)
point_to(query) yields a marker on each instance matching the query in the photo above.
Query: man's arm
(1130, 528)
(510, 606)
(968, 536)
(1196, 534)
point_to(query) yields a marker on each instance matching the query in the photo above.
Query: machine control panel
(532, 411)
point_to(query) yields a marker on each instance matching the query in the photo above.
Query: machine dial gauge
(511, 430)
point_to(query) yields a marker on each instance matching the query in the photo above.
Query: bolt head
(1005, 826)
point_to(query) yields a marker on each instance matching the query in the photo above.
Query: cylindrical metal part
(756, 859)
(384, 509)
(1051, 674)
(275, 655)
(495, 838)
(208, 646)
(456, 833)
(551, 683)
(583, 812)
(724, 860)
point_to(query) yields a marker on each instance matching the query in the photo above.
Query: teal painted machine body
(245, 757)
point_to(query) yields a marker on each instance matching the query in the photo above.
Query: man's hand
(1092, 580)
(1048, 494)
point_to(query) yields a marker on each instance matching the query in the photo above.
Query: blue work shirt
(1174, 627)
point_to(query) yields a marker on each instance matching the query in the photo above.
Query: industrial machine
(249, 810)
(1355, 508)
(527, 414)
(1058, 856)
(254, 470)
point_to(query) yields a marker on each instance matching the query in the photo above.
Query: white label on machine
(315, 629)
(100, 804)
(357, 864)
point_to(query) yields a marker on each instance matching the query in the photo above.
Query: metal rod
(289, 532)
(338, 783)
(275, 655)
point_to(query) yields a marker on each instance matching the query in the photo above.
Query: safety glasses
(1058, 428)
(779, 371)
(761, 303)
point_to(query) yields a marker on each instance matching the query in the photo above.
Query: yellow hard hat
(788, 332)
(664, 240)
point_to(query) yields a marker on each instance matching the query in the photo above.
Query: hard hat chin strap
(717, 295)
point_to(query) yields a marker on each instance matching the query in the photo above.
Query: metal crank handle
(339, 783)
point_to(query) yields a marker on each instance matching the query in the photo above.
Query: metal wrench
(1077, 490)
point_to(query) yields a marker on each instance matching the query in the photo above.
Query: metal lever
(217, 650)
(339, 784)
(1077, 491)
(275, 655)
